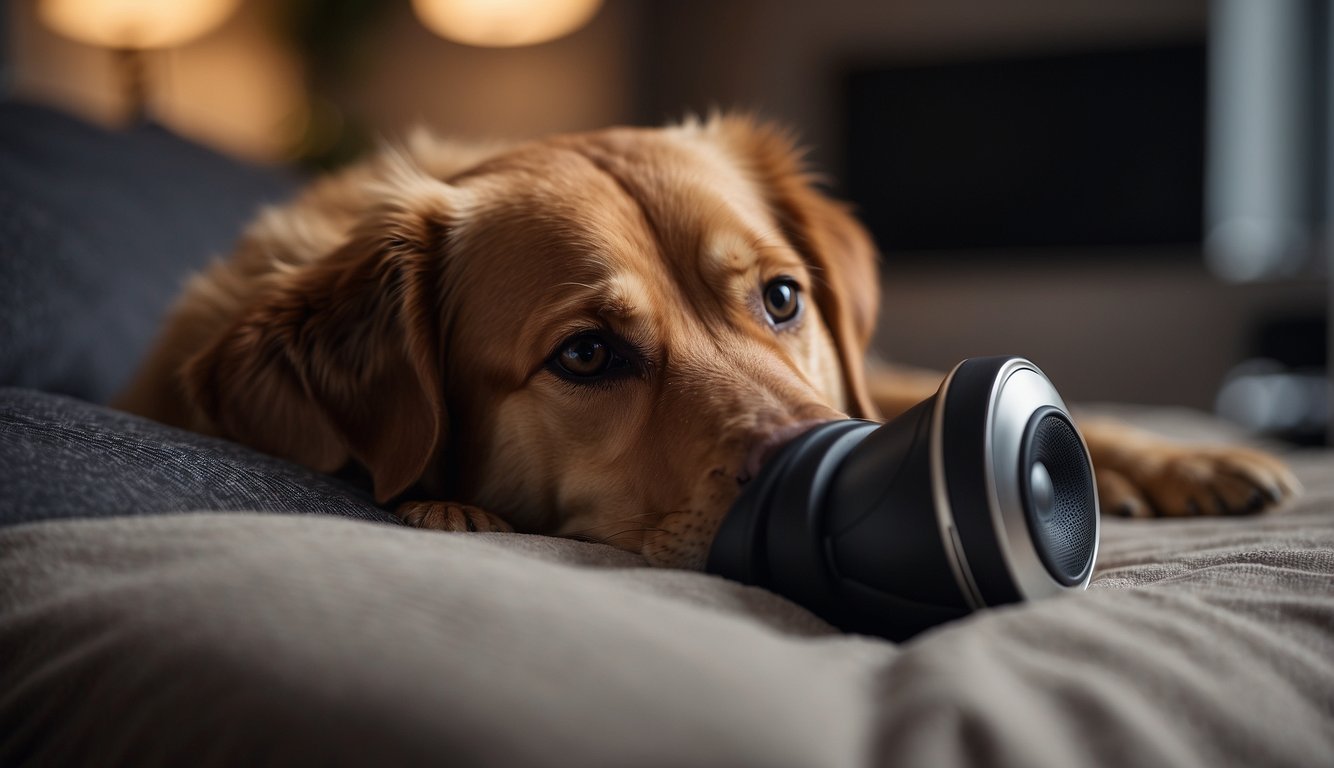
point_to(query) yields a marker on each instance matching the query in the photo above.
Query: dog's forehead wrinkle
(631, 189)
(561, 190)
(615, 295)
(680, 196)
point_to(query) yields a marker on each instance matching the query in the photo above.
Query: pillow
(238, 639)
(66, 458)
(98, 230)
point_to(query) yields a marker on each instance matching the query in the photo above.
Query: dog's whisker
(610, 523)
(607, 539)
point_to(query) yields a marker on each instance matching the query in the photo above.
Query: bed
(171, 599)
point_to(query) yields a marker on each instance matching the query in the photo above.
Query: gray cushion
(65, 458)
(237, 639)
(98, 229)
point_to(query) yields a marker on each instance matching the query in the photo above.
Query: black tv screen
(1088, 149)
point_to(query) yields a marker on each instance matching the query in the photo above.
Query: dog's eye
(586, 356)
(782, 299)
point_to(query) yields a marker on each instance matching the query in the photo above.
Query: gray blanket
(233, 639)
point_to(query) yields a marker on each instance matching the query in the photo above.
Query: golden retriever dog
(600, 335)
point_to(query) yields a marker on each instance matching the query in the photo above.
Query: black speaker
(978, 496)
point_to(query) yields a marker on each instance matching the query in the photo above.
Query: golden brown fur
(404, 315)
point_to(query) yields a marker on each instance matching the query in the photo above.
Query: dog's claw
(448, 516)
(1178, 481)
(1129, 508)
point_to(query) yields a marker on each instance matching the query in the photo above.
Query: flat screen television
(1041, 153)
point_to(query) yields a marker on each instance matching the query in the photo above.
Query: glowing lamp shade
(504, 23)
(134, 24)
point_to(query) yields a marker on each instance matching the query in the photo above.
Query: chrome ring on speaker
(978, 496)
(989, 433)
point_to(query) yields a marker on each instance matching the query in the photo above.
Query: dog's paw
(1165, 480)
(448, 516)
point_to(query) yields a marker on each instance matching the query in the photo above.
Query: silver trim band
(1018, 391)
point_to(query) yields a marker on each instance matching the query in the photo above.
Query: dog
(599, 335)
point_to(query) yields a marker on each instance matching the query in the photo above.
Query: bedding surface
(226, 638)
(61, 457)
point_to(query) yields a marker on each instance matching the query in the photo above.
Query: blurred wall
(583, 81)
(240, 87)
(1102, 329)
(785, 58)
(1148, 326)
(237, 87)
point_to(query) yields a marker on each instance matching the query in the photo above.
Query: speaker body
(978, 496)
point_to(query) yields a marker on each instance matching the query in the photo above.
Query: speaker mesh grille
(1066, 534)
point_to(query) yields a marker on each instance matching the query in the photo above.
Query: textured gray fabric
(237, 639)
(98, 230)
(61, 457)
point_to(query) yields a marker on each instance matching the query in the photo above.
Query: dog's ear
(341, 358)
(840, 251)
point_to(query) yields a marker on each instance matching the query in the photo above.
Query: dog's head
(599, 335)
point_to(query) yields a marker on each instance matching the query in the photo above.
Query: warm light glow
(504, 23)
(134, 23)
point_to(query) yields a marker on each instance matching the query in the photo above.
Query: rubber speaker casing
(862, 524)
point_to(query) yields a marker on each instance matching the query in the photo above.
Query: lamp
(129, 27)
(504, 23)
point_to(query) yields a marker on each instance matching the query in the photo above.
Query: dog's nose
(766, 446)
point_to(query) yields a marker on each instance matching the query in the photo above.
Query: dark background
(1034, 170)
(1094, 148)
